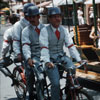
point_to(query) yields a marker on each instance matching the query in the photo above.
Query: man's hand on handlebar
(19, 56)
(82, 61)
(30, 62)
(49, 65)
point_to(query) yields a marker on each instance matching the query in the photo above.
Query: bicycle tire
(79, 95)
(84, 93)
(20, 91)
(17, 74)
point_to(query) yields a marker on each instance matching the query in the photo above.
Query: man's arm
(26, 44)
(6, 42)
(16, 38)
(72, 49)
(92, 34)
(43, 39)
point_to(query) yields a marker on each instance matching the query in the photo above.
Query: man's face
(34, 20)
(55, 20)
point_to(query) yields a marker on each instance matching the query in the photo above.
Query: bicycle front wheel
(83, 95)
(19, 74)
(78, 95)
(20, 90)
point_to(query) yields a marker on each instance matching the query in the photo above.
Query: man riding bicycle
(52, 39)
(7, 48)
(31, 47)
(18, 27)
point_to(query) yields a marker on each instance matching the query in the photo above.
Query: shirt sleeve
(43, 39)
(72, 49)
(6, 42)
(16, 38)
(26, 44)
(5, 48)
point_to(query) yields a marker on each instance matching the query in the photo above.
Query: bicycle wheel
(19, 74)
(20, 90)
(78, 95)
(83, 95)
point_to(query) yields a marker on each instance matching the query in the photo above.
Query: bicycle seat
(6, 61)
(16, 60)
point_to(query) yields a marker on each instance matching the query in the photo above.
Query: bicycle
(19, 80)
(72, 89)
(19, 84)
(18, 72)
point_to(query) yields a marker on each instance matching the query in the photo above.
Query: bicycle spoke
(20, 90)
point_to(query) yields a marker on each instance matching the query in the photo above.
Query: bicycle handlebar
(38, 74)
(84, 62)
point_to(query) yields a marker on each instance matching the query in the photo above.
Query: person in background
(8, 38)
(92, 34)
(52, 39)
(80, 16)
(18, 27)
(91, 15)
(31, 49)
(13, 18)
(7, 49)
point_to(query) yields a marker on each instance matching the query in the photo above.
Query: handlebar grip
(83, 63)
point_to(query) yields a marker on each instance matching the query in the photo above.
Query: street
(7, 92)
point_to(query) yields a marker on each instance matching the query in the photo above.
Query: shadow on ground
(12, 99)
(17, 98)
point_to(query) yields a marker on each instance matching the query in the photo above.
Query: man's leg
(54, 77)
(30, 81)
(68, 63)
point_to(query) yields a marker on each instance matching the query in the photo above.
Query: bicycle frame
(19, 85)
(8, 73)
(71, 86)
(20, 69)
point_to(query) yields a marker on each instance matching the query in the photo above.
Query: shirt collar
(36, 26)
(54, 29)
